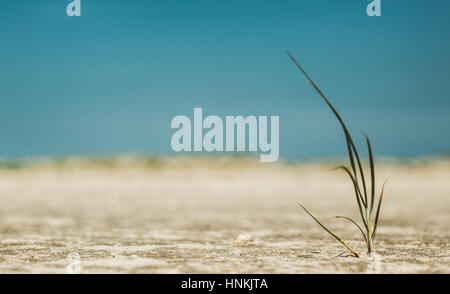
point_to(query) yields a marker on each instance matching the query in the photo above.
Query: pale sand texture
(216, 216)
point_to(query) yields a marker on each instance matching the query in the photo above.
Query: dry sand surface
(215, 216)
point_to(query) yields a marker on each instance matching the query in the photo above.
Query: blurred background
(110, 81)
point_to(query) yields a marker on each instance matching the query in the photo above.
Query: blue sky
(110, 81)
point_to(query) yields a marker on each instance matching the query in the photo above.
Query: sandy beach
(216, 216)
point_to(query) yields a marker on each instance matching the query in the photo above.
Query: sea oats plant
(364, 199)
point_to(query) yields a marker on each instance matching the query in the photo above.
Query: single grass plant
(365, 198)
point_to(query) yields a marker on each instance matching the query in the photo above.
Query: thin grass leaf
(356, 187)
(355, 184)
(378, 212)
(331, 233)
(347, 134)
(372, 174)
(360, 172)
(352, 161)
(349, 219)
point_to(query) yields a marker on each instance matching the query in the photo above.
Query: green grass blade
(331, 233)
(344, 127)
(355, 184)
(357, 192)
(372, 174)
(349, 219)
(378, 212)
(352, 160)
(361, 172)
